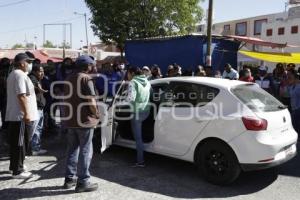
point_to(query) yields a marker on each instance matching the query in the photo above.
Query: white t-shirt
(19, 83)
(263, 83)
(232, 75)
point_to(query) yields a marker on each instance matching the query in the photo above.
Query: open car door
(108, 126)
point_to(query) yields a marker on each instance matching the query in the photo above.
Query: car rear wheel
(217, 162)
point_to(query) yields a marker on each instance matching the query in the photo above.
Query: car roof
(212, 82)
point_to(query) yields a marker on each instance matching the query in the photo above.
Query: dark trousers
(17, 138)
(30, 129)
(3, 111)
(48, 120)
(286, 101)
(296, 120)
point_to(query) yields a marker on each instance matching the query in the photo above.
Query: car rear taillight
(255, 124)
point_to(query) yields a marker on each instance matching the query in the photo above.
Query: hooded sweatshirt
(139, 93)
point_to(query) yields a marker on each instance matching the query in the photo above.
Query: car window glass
(257, 99)
(158, 93)
(183, 94)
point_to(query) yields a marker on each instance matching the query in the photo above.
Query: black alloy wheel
(217, 162)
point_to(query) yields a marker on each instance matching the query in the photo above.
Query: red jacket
(247, 79)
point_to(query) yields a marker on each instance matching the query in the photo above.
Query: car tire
(217, 162)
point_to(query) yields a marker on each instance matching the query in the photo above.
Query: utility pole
(286, 6)
(86, 28)
(209, 33)
(64, 41)
(35, 43)
(86, 31)
(64, 26)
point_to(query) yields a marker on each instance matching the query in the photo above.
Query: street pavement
(162, 179)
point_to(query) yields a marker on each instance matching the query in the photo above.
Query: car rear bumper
(265, 147)
(261, 166)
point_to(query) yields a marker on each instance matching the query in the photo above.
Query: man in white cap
(146, 71)
(265, 81)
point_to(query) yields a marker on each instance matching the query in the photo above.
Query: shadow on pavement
(165, 176)
(5, 178)
(52, 169)
(173, 178)
(20, 193)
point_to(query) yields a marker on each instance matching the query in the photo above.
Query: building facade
(281, 27)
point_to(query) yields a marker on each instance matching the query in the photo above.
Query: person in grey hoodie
(138, 96)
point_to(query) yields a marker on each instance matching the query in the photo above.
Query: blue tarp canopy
(187, 51)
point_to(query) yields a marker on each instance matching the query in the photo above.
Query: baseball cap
(170, 67)
(21, 57)
(85, 60)
(146, 68)
(279, 65)
(263, 68)
(291, 65)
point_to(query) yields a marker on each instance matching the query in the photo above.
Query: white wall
(288, 37)
(275, 21)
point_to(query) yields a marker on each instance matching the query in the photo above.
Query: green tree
(116, 21)
(49, 44)
(17, 46)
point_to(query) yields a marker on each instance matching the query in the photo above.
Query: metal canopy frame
(64, 25)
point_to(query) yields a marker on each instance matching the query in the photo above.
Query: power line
(14, 3)
(38, 26)
(21, 29)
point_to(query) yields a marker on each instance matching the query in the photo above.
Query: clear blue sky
(31, 15)
(225, 10)
(25, 20)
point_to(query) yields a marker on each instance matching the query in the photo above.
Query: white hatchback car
(222, 126)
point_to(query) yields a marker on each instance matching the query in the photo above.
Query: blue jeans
(37, 132)
(296, 120)
(136, 125)
(80, 151)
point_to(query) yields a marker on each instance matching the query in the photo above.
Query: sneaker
(90, 187)
(24, 167)
(23, 175)
(40, 152)
(139, 165)
(69, 183)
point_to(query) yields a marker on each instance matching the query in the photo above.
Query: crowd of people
(30, 88)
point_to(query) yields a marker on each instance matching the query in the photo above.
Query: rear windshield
(257, 99)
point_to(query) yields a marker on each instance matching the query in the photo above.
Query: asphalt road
(163, 178)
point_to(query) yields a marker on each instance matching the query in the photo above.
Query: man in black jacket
(4, 70)
(37, 128)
